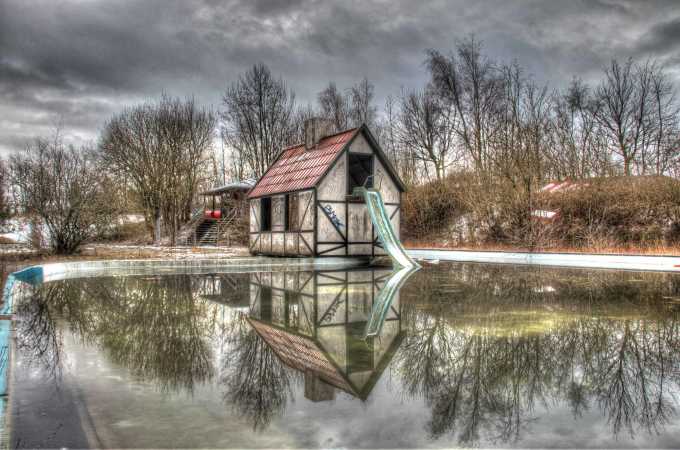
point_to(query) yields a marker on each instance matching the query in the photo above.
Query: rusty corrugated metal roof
(298, 168)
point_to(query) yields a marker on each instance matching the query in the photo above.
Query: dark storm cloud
(662, 40)
(76, 62)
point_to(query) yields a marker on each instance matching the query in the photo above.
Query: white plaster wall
(359, 249)
(277, 243)
(255, 215)
(302, 248)
(278, 212)
(359, 225)
(383, 183)
(324, 247)
(334, 341)
(326, 231)
(256, 247)
(334, 184)
(291, 243)
(306, 210)
(360, 145)
(326, 294)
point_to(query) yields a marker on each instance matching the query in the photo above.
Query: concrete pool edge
(575, 260)
(122, 267)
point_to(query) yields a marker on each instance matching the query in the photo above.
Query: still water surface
(468, 355)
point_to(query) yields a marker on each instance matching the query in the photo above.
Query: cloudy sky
(74, 63)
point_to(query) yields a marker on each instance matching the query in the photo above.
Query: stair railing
(196, 216)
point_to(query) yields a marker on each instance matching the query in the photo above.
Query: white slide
(383, 227)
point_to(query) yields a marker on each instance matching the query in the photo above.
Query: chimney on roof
(316, 129)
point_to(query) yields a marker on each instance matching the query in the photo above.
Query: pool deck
(577, 260)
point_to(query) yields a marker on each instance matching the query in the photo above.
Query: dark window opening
(360, 171)
(266, 214)
(292, 212)
(266, 307)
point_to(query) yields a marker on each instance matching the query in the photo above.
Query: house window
(292, 212)
(266, 307)
(360, 169)
(266, 214)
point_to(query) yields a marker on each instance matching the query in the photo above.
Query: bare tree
(471, 83)
(161, 149)
(579, 149)
(665, 145)
(351, 108)
(333, 105)
(5, 209)
(427, 128)
(258, 116)
(401, 156)
(626, 109)
(63, 188)
(362, 110)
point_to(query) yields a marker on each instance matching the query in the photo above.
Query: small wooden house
(303, 204)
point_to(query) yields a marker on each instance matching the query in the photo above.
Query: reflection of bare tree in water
(159, 329)
(156, 329)
(256, 382)
(603, 342)
(152, 326)
(632, 380)
(38, 339)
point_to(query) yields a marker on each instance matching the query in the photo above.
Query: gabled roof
(297, 169)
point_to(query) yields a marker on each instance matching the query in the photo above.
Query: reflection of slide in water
(393, 247)
(383, 302)
(383, 227)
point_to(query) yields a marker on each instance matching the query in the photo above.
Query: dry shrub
(618, 212)
(600, 214)
(129, 232)
(432, 207)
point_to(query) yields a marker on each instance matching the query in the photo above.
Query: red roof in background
(561, 186)
(297, 168)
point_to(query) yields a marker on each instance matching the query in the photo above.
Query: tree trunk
(626, 165)
(157, 227)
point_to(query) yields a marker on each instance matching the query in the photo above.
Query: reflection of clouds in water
(488, 358)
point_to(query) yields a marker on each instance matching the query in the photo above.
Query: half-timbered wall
(344, 225)
(279, 241)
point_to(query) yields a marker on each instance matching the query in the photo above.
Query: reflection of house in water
(315, 322)
(230, 289)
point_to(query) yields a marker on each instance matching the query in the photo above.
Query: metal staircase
(207, 231)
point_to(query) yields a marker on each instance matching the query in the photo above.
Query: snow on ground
(152, 251)
(16, 229)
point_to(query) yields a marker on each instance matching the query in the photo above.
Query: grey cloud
(662, 39)
(79, 62)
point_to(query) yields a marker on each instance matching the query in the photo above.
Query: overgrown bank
(635, 214)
